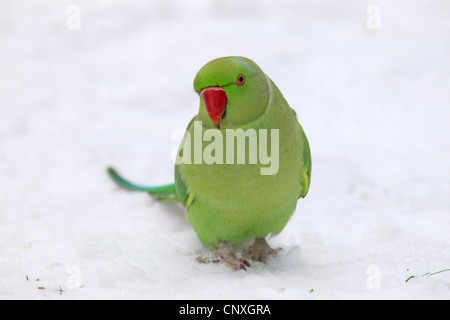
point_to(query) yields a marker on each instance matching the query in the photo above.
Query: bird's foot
(201, 259)
(226, 253)
(260, 251)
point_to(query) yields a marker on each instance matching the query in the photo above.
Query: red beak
(215, 101)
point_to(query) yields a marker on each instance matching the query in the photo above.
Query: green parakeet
(224, 176)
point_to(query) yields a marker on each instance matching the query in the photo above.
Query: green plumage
(230, 202)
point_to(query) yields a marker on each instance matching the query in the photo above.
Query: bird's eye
(240, 80)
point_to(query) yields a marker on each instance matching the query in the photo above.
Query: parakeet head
(233, 92)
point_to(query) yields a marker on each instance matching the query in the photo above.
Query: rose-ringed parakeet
(233, 198)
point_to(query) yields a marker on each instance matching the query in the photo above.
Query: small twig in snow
(427, 274)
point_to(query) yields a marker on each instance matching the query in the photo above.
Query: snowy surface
(375, 105)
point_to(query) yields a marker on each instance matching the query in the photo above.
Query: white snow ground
(375, 105)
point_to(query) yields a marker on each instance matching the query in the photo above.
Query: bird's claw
(241, 264)
(226, 253)
(260, 251)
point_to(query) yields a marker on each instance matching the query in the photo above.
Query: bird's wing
(306, 170)
(181, 187)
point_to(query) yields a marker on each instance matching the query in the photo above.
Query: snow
(373, 102)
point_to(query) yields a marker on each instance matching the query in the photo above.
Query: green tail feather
(163, 193)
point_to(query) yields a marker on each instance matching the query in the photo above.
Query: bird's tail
(165, 193)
